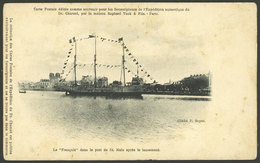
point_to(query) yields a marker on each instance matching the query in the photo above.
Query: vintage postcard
(129, 81)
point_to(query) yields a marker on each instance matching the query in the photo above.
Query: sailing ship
(119, 89)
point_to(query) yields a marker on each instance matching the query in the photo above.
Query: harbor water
(139, 120)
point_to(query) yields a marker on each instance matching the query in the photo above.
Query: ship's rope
(120, 41)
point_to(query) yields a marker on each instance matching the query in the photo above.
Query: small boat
(22, 91)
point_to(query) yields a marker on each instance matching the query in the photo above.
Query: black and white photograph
(129, 81)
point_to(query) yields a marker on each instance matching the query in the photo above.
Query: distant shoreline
(148, 92)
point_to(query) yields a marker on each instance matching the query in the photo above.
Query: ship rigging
(122, 89)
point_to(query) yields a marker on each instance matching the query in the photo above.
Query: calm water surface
(136, 119)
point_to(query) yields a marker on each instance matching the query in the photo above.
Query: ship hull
(106, 94)
(114, 92)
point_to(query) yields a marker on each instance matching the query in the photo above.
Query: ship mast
(75, 62)
(137, 71)
(123, 65)
(95, 60)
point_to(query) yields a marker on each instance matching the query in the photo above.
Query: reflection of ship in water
(99, 86)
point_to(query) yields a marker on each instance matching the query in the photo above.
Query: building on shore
(137, 81)
(54, 79)
(88, 81)
(52, 82)
(102, 82)
(44, 83)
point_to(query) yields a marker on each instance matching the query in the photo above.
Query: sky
(168, 46)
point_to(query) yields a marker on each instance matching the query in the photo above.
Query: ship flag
(120, 39)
